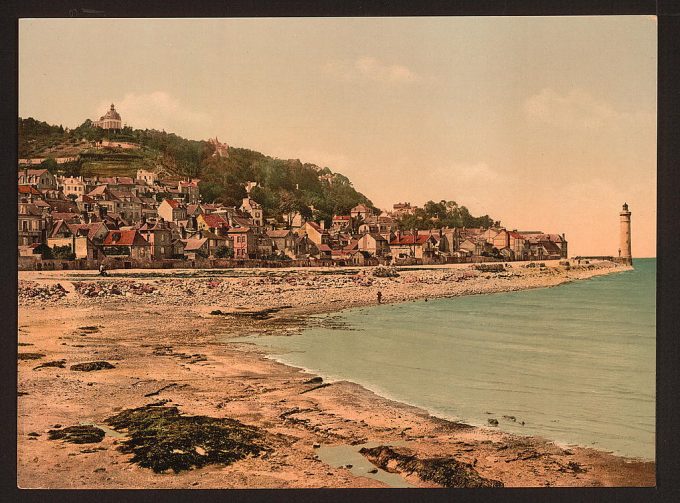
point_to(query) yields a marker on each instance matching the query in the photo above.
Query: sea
(574, 364)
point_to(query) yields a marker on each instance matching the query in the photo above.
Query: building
(413, 246)
(625, 246)
(33, 225)
(129, 243)
(74, 185)
(147, 177)
(221, 149)
(172, 211)
(245, 243)
(110, 120)
(189, 190)
(39, 178)
(254, 209)
(360, 212)
(374, 244)
(284, 242)
(316, 233)
(159, 237)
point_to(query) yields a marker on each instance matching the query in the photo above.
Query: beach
(173, 338)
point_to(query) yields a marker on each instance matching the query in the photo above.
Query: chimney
(200, 234)
(182, 232)
(194, 223)
(322, 224)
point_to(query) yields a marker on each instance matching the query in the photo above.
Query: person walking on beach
(379, 297)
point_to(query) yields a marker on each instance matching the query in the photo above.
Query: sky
(544, 123)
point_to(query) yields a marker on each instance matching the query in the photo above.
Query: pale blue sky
(545, 123)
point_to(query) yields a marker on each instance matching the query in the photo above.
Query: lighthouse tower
(624, 250)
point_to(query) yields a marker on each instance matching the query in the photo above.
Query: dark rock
(162, 439)
(510, 418)
(445, 471)
(90, 366)
(492, 422)
(216, 312)
(30, 356)
(373, 470)
(57, 363)
(314, 380)
(81, 434)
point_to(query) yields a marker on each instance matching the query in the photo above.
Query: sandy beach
(173, 340)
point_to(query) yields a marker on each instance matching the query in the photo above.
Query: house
(360, 212)
(211, 222)
(78, 237)
(172, 211)
(129, 205)
(340, 222)
(517, 243)
(74, 185)
(29, 193)
(253, 209)
(33, 225)
(413, 245)
(401, 209)
(190, 190)
(324, 251)
(159, 237)
(283, 242)
(264, 245)
(129, 243)
(245, 244)
(196, 247)
(547, 246)
(316, 233)
(374, 244)
(147, 177)
(39, 178)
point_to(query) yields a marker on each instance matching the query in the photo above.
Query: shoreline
(342, 413)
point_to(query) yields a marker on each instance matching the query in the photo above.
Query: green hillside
(283, 185)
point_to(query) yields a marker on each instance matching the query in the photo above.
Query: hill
(283, 185)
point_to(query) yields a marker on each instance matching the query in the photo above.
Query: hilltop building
(110, 120)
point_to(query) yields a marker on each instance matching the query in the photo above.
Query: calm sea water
(576, 362)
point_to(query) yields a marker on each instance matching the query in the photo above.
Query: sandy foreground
(156, 329)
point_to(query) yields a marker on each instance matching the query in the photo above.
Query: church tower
(624, 250)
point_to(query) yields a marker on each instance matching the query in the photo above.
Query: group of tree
(443, 214)
(284, 187)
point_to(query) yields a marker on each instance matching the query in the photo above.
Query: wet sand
(162, 337)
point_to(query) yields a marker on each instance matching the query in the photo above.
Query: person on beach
(102, 270)
(379, 297)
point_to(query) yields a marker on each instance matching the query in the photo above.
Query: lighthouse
(624, 247)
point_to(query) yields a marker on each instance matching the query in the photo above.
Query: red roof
(173, 204)
(324, 247)
(29, 189)
(214, 221)
(125, 238)
(341, 217)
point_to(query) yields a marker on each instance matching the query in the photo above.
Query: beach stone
(80, 434)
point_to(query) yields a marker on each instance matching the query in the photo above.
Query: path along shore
(157, 331)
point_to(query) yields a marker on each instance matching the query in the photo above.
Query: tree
(63, 252)
(44, 251)
(50, 165)
(224, 252)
